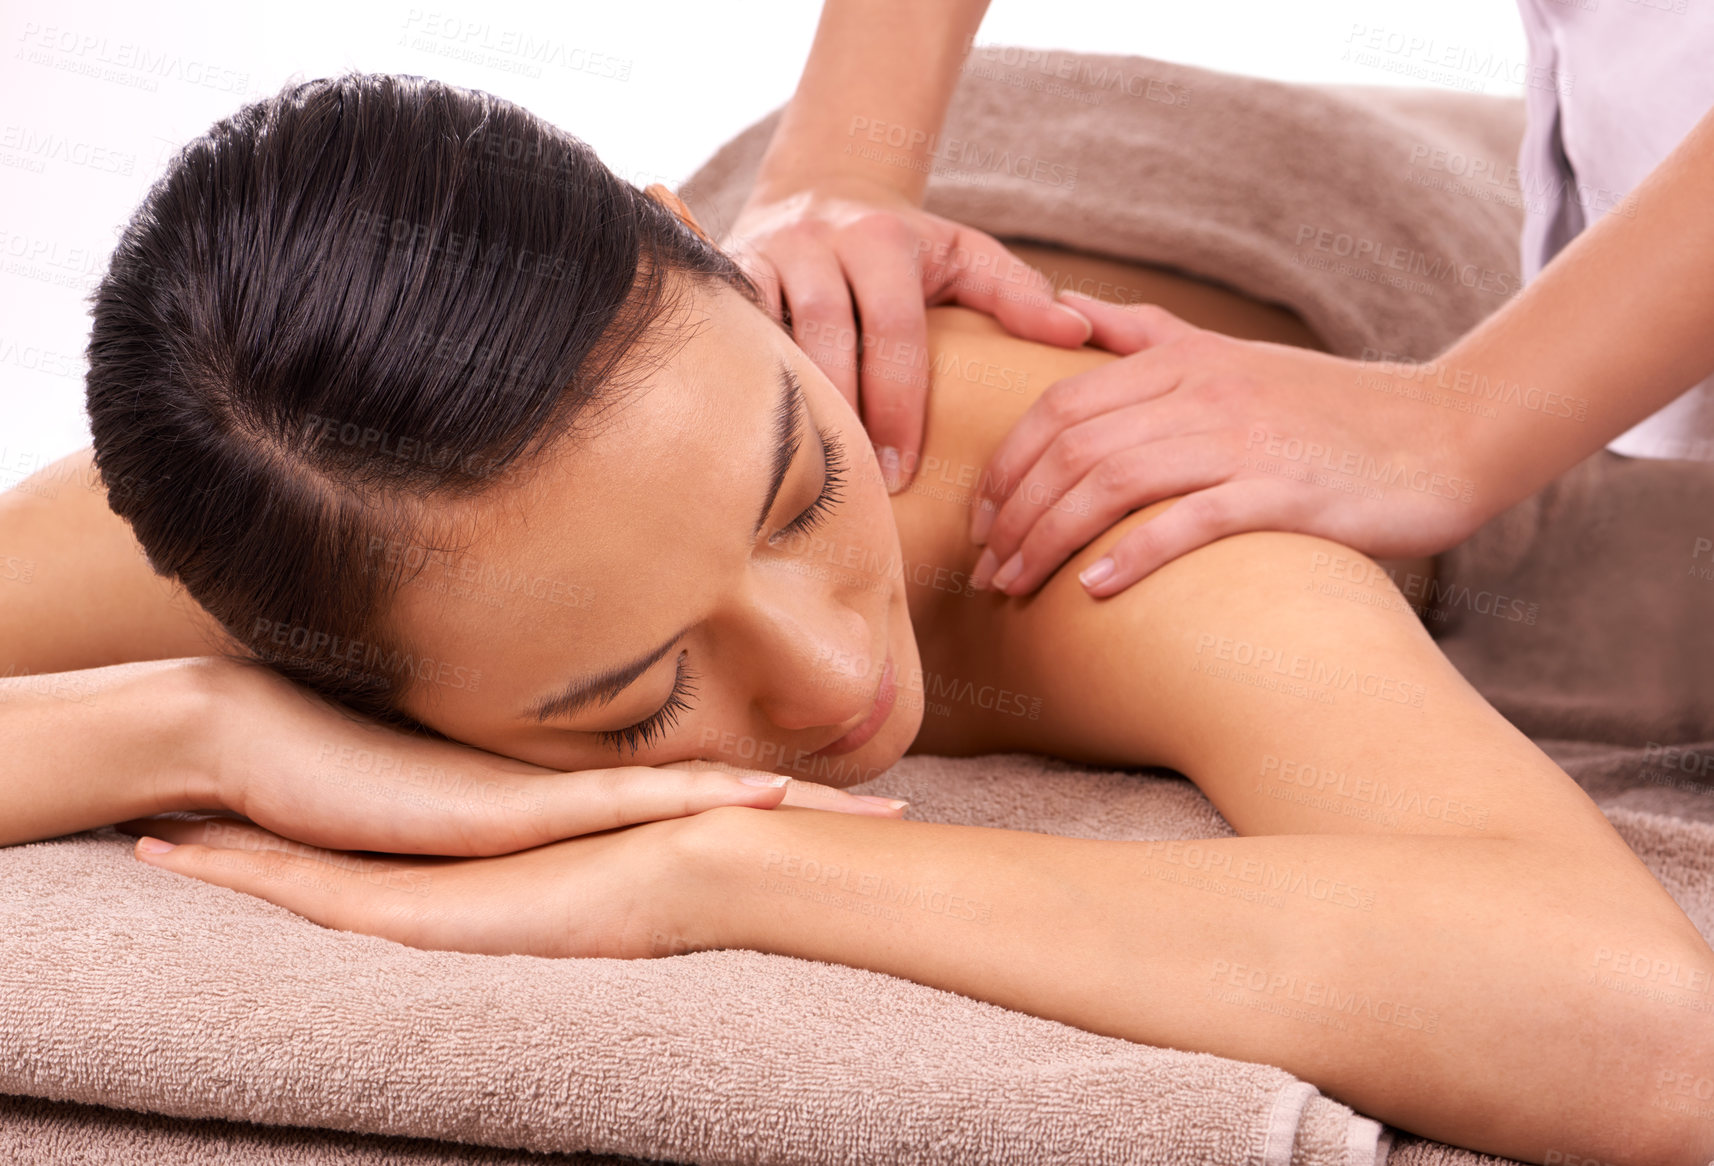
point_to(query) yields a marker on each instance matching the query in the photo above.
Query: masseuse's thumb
(1127, 328)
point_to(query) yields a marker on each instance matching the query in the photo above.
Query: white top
(1613, 86)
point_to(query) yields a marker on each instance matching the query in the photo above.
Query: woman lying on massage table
(351, 335)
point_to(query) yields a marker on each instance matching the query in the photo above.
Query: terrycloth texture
(33, 1130)
(126, 987)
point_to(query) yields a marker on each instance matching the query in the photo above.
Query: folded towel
(129, 988)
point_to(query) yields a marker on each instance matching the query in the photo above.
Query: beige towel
(132, 989)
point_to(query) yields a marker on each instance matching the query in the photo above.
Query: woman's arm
(1411, 847)
(104, 715)
(88, 748)
(1478, 991)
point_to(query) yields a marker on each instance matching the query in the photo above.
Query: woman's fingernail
(1095, 572)
(1084, 321)
(153, 845)
(766, 780)
(985, 564)
(982, 522)
(1013, 568)
(890, 803)
(889, 458)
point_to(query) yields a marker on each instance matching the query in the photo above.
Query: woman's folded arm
(1475, 990)
(90, 747)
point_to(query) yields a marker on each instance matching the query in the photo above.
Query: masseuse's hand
(1254, 436)
(613, 894)
(853, 259)
(290, 761)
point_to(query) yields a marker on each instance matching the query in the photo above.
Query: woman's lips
(872, 723)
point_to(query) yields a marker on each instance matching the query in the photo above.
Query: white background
(79, 145)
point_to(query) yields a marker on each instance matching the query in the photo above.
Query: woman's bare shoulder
(86, 596)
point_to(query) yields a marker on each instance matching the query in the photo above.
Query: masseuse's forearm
(1389, 970)
(101, 745)
(1615, 326)
(882, 67)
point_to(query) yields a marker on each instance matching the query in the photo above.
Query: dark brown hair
(345, 302)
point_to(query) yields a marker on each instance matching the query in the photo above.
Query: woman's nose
(820, 673)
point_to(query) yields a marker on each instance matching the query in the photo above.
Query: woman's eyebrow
(602, 687)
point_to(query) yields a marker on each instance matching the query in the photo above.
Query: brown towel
(129, 988)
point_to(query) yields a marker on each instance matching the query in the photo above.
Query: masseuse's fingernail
(1004, 576)
(1084, 321)
(985, 564)
(766, 780)
(889, 458)
(1096, 572)
(153, 845)
(982, 522)
(890, 803)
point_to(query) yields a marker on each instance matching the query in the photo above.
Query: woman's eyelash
(644, 732)
(833, 450)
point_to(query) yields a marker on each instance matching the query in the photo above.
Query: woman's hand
(292, 762)
(856, 262)
(612, 894)
(1253, 435)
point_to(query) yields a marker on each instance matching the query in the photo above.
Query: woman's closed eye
(832, 486)
(642, 734)
(645, 732)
